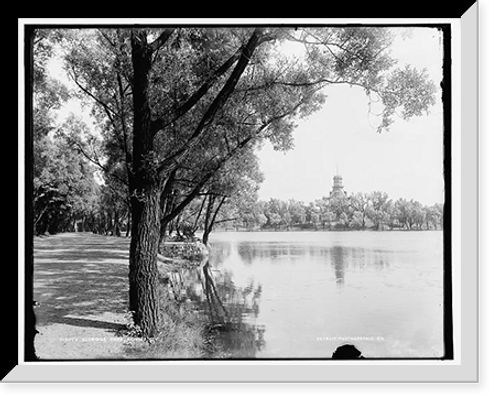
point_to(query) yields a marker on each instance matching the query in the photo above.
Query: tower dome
(338, 187)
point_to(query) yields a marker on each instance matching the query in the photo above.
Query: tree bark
(143, 270)
(145, 199)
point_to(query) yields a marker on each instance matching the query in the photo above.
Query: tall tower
(338, 187)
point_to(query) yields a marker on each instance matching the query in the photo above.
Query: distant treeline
(358, 211)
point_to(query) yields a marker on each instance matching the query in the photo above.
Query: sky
(405, 162)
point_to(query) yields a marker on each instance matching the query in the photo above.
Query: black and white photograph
(224, 192)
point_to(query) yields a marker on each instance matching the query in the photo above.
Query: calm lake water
(302, 294)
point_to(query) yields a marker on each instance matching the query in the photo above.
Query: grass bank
(185, 331)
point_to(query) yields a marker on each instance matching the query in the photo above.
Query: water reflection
(231, 311)
(337, 257)
(340, 258)
(320, 290)
(303, 295)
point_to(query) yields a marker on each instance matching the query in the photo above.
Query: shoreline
(325, 231)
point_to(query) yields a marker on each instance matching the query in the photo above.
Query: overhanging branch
(174, 159)
(162, 122)
(109, 111)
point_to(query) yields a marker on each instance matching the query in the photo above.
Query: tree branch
(212, 222)
(377, 91)
(109, 111)
(165, 201)
(210, 205)
(180, 207)
(107, 38)
(225, 220)
(196, 190)
(219, 101)
(161, 122)
(161, 40)
(128, 154)
(97, 162)
(199, 212)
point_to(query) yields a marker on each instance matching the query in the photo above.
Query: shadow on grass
(86, 323)
(80, 277)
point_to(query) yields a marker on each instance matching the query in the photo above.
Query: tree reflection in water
(337, 257)
(341, 258)
(231, 311)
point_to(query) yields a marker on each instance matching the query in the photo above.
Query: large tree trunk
(143, 273)
(145, 199)
(145, 178)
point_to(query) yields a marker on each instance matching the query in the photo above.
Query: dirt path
(81, 289)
